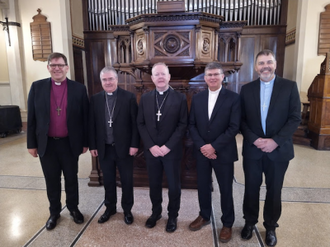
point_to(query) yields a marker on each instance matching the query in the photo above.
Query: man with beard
(270, 116)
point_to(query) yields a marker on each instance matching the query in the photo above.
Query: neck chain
(58, 109)
(110, 112)
(158, 114)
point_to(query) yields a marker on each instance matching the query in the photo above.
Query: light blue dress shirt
(266, 89)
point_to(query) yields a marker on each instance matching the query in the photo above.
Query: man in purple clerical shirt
(57, 132)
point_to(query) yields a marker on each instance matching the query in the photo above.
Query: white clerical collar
(58, 83)
(109, 93)
(162, 92)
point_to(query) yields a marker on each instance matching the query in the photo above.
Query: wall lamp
(6, 25)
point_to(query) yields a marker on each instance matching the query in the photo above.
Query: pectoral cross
(158, 115)
(110, 122)
(264, 106)
(58, 111)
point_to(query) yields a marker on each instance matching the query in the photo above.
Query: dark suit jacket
(282, 120)
(124, 123)
(39, 116)
(172, 125)
(221, 129)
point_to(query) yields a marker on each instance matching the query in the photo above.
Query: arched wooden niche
(41, 37)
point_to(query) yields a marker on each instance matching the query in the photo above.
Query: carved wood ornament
(41, 37)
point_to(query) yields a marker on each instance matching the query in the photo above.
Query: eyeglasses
(53, 66)
(215, 75)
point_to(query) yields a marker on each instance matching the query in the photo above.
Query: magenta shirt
(57, 124)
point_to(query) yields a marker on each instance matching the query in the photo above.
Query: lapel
(256, 97)
(221, 98)
(118, 102)
(151, 106)
(69, 97)
(168, 104)
(47, 95)
(204, 105)
(100, 104)
(275, 93)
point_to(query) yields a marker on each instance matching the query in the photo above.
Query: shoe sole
(196, 229)
(224, 240)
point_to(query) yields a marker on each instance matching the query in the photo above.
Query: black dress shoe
(171, 224)
(271, 239)
(128, 218)
(77, 216)
(151, 221)
(51, 222)
(246, 232)
(106, 216)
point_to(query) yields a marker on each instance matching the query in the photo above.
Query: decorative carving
(171, 43)
(41, 37)
(184, 53)
(139, 46)
(206, 46)
(159, 35)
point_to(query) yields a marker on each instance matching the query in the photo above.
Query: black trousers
(274, 177)
(58, 158)
(172, 169)
(225, 174)
(125, 167)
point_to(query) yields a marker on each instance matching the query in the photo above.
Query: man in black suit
(215, 116)
(270, 116)
(57, 131)
(162, 121)
(114, 139)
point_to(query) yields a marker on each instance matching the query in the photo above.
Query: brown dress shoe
(198, 223)
(225, 234)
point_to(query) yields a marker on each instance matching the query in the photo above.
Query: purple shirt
(58, 100)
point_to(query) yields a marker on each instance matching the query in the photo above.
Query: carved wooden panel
(41, 37)
(324, 32)
(319, 97)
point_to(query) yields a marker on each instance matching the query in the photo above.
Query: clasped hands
(208, 151)
(157, 151)
(266, 145)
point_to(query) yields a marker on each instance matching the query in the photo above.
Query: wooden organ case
(186, 42)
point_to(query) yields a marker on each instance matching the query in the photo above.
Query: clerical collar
(163, 92)
(268, 82)
(216, 91)
(113, 93)
(58, 83)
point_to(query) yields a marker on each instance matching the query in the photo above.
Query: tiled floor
(24, 207)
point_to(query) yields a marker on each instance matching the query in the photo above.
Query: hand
(85, 150)
(208, 151)
(156, 151)
(133, 151)
(266, 145)
(94, 153)
(33, 152)
(165, 150)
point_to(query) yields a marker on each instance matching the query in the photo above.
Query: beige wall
(57, 13)
(5, 96)
(289, 61)
(307, 61)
